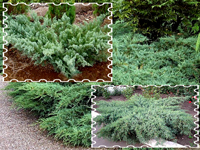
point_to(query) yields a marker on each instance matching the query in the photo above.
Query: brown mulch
(84, 16)
(21, 68)
(188, 107)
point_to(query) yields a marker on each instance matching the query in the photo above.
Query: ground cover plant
(58, 42)
(154, 42)
(198, 43)
(140, 119)
(63, 108)
(170, 60)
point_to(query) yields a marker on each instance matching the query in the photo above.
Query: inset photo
(64, 42)
(45, 116)
(156, 42)
(145, 116)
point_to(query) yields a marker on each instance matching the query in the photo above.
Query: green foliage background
(64, 110)
(15, 10)
(140, 119)
(58, 11)
(180, 91)
(156, 18)
(150, 91)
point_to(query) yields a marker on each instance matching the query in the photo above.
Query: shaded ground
(18, 131)
(22, 68)
(181, 139)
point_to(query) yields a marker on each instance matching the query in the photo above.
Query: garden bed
(58, 52)
(21, 68)
(184, 140)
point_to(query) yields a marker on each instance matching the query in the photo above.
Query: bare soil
(21, 68)
(181, 139)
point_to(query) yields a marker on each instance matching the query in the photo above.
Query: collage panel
(156, 42)
(58, 42)
(145, 116)
(142, 59)
(53, 116)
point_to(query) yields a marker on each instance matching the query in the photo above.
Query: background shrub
(156, 18)
(117, 91)
(102, 91)
(99, 91)
(141, 119)
(180, 91)
(128, 92)
(98, 10)
(58, 11)
(106, 94)
(19, 9)
(151, 91)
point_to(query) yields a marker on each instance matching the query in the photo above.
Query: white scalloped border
(130, 146)
(56, 80)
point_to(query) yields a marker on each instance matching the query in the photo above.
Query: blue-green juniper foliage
(140, 119)
(58, 42)
(63, 108)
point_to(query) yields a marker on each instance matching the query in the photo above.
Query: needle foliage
(59, 10)
(140, 119)
(171, 60)
(156, 18)
(64, 110)
(198, 43)
(58, 42)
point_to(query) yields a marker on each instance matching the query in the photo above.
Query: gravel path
(17, 131)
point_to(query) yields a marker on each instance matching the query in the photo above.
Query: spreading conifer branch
(64, 109)
(58, 42)
(141, 119)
